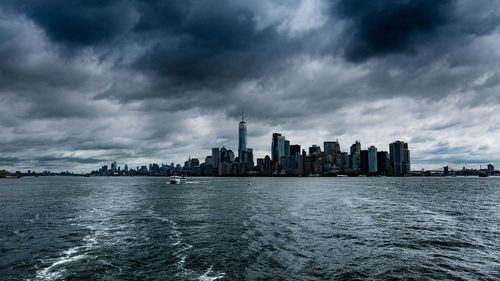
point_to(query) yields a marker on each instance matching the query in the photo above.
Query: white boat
(177, 180)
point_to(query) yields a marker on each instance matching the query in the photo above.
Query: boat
(177, 180)
(483, 175)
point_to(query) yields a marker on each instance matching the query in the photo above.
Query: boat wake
(182, 251)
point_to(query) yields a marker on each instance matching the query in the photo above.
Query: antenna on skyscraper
(242, 119)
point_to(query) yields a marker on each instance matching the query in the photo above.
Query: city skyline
(261, 154)
(156, 81)
(286, 159)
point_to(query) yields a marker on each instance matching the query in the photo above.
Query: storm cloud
(83, 83)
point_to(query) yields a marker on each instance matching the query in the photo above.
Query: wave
(182, 251)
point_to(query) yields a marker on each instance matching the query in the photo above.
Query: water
(56, 228)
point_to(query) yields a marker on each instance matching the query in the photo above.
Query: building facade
(399, 158)
(242, 140)
(372, 160)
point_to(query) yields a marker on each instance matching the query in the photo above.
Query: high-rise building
(400, 158)
(242, 143)
(294, 149)
(267, 165)
(491, 168)
(215, 157)
(314, 150)
(331, 148)
(355, 156)
(274, 147)
(113, 167)
(332, 153)
(277, 147)
(223, 155)
(249, 156)
(209, 161)
(363, 161)
(383, 163)
(286, 149)
(372, 159)
(346, 161)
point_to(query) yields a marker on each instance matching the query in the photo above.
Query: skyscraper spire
(242, 119)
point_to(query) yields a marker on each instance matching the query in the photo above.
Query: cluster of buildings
(286, 159)
(152, 170)
(290, 160)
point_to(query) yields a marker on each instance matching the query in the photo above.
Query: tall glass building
(278, 147)
(372, 159)
(242, 144)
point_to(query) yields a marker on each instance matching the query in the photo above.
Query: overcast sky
(83, 83)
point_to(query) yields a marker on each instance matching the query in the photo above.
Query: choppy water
(224, 229)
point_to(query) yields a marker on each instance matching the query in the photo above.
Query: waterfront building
(286, 148)
(260, 166)
(225, 168)
(242, 143)
(355, 156)
(223, 155)
(113, 167)
(346, 161)
(275, 147)
(332, 152)
(300, 163)
(294, 149)
(209, 160)
(307, 165)
(399, 158)
(491, 168)
(372, 159)
(363, 161)
(316, 165)
(215, 157)
(284, 162)
(249, 157)
(383, 163)
(267, 165)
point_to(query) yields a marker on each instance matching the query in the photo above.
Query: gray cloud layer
(88, 82)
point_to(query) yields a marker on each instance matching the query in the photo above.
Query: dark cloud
(383, 27)
(214, 47)
(82, 22)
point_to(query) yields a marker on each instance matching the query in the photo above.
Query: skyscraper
(372, 159)
(249, 156)
(355, 156)
(294, 149)
(400, 158)
(332, 152)
(383, 163)
(215, 157)
(274, 147)
(363, 161)
(286, 148)
(277, 147)
(331, 148)
(242, 144)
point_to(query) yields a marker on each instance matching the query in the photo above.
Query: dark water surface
(57, 228)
